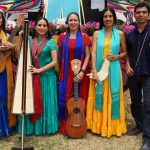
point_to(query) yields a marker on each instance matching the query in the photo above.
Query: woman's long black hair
(33, 32)
(102, 15)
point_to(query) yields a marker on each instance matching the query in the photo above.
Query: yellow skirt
(100, 122)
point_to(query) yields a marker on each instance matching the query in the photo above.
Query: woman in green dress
(44, 58)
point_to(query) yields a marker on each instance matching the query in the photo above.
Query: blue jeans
(139, 87)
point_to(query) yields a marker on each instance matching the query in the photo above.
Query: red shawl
(36, 50)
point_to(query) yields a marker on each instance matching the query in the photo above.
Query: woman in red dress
(72, 44)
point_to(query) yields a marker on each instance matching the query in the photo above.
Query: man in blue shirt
(138, 70)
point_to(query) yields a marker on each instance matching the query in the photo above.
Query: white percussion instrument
(103, 73)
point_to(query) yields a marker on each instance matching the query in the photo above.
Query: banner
(98, 4)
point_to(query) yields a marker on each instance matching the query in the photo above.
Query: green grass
(89, 142)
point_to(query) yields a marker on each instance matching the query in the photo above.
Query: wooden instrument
(5, 54)
(17, 102)
(23, 102)
(76, 125)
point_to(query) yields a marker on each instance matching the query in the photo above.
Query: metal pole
(105, 3)
(22, 137)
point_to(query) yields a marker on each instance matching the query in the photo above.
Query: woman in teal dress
(44, 57)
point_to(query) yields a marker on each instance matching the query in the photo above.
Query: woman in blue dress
(44, 57)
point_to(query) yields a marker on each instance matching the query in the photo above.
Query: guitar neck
(76, 95)
(14, 32)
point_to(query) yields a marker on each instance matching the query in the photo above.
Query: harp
(23, 95)
(23, 77)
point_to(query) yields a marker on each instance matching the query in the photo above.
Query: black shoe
(134, 131)
(145, 146)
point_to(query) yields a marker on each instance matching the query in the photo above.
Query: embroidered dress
(101, 121)
(7, 120)
(84, 85)
(48, 122)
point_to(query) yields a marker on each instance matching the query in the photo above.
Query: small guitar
(76, 125)
(5, 54)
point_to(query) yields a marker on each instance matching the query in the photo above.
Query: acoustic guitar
(5, 54)
(76, 126)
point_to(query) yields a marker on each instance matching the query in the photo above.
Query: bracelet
(43, 69)
(81, 70)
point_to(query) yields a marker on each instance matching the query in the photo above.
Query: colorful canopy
(123, 5)
(22, 5)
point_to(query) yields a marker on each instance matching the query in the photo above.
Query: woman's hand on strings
(79, 77)
(3, 48)
(8, 46)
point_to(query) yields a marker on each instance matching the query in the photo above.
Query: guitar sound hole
(76, 110)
